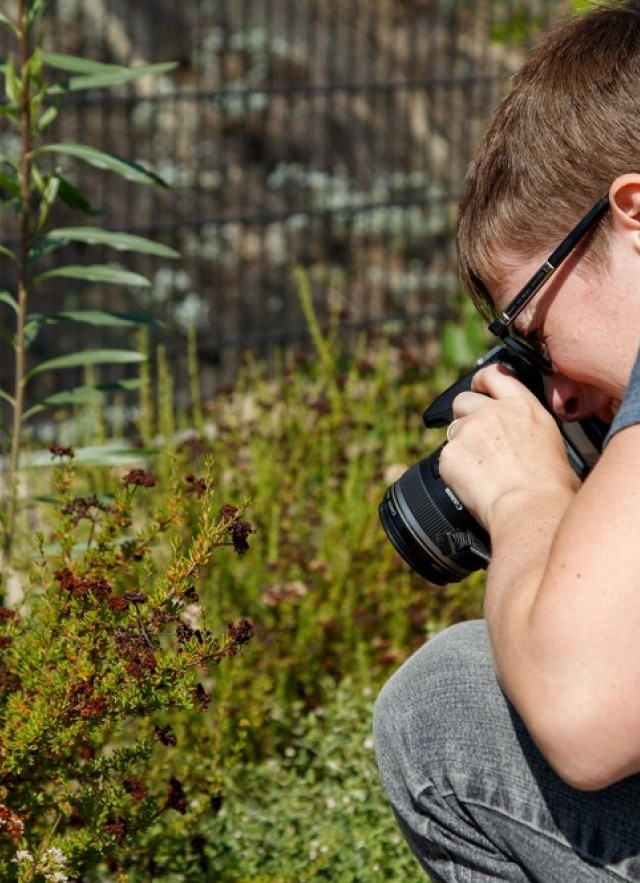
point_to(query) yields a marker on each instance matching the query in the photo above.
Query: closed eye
(538, 345)
(533, 348)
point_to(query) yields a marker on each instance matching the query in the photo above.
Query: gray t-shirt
(629, 411)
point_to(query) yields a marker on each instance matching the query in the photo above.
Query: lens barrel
(423, 518)
(430, 528)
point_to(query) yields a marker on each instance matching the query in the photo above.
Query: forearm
(563, 603)
(523, 532)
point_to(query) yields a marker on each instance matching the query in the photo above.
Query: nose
(570, 400)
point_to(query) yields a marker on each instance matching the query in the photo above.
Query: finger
(499, 382)
(451, 429)
(466, 403)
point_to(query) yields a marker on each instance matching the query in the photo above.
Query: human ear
(624, 201)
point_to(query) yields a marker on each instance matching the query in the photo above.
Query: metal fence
(330, 135)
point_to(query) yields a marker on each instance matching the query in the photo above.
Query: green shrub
(334, 611)
(110, 642)
(314, 447)
(315, 811)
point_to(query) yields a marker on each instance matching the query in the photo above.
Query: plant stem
(23, 281)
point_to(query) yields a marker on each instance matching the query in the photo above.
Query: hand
(504, 443)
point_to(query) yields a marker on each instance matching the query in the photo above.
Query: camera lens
(430, 528)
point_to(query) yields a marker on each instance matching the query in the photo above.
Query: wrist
(527, 507)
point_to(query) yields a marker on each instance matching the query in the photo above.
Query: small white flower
(22, 855)
(57, 856)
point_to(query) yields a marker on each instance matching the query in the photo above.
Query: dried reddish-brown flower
(240, 632)
(135, 788)
(139, 478)
(239, 533)
(203, 698)
(118, 829)
(9, 681)
(237, 530)
(175, 796)
(59, 451)
(84, 508)
(118, 604)
(166, 736)
(184, 632)
(77, 586)
(11, 823)
(136, 597)
(84, 701)
(196, 486)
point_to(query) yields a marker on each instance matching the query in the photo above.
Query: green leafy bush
(111, 637)
(315, 811)
(333, 608)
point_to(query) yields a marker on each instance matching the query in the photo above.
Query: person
(509, 747)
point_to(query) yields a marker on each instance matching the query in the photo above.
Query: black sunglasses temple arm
(500, 325)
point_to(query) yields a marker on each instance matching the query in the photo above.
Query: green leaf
(48, 197)
(7, 335)
(94, 318)
(100, 159)
(95, 273)
(49, 115)
(73, 197)
(11, 185)
(41, 247)
(46, 499)
(108, 76)
(9, 112)
(7, 398)
(82, 395)
(113, 239)
(7, 298)
(100, 455)
(88, 357)
(7, 253)
(5, 20)
(75, 63)
(34, 10)
(107, 455)
(13, 86)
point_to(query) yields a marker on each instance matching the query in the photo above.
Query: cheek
(571, 334)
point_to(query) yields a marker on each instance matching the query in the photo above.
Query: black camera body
(423, 518)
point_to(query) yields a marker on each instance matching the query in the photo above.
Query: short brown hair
(569, 126)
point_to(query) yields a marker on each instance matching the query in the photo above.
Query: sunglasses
(500, 326)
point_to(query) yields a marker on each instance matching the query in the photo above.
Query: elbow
(583, 775)
(587, 751)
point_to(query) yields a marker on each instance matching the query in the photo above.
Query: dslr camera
(422, 517)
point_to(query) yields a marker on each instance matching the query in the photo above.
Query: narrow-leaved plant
(32, 182)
